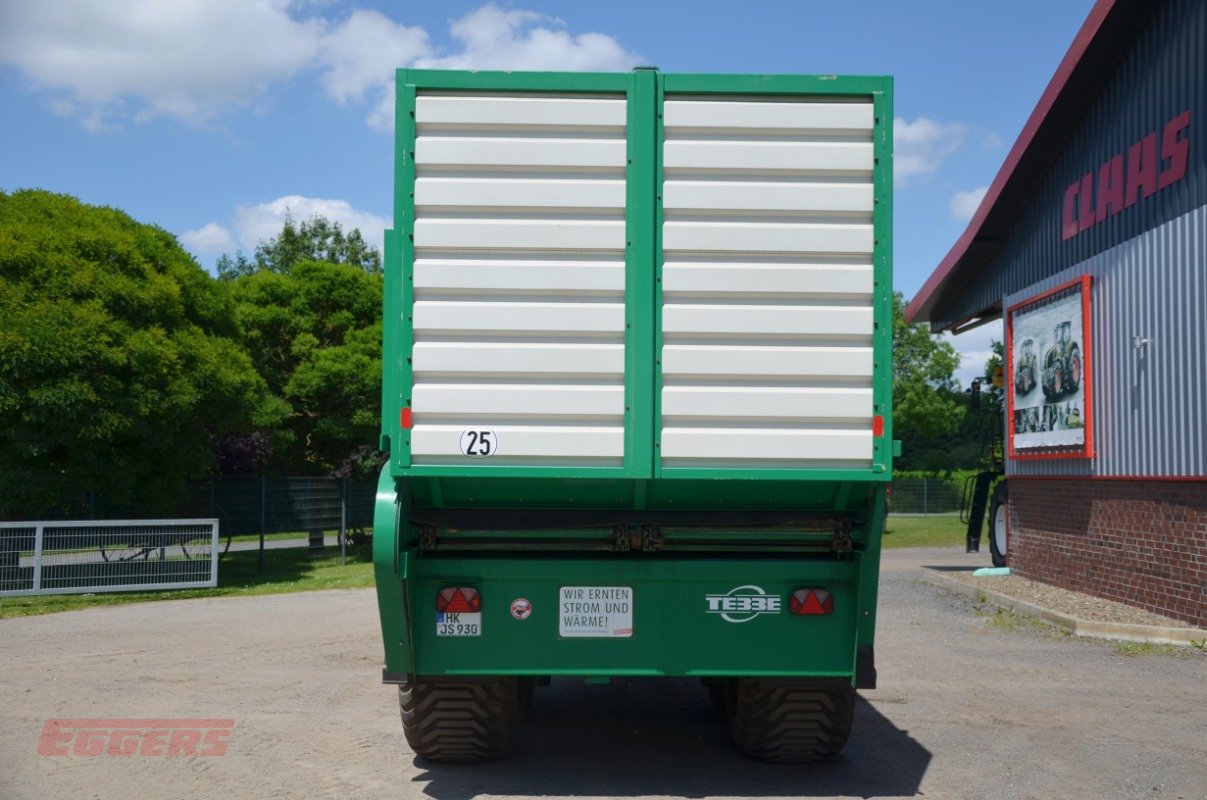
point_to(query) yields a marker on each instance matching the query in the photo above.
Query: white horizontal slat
(523, 441)
(570, 318)
(520, 234)
(564, 276)
(510, 399)
(495, 193)
(765, 115)
(758, 320)
(765, 401)
(486, 110)
(685, 276)
(502, 359)
(772, 444)
(811, 156)
(768, 196)
(744, 363)
(518, 152)
(744, 237)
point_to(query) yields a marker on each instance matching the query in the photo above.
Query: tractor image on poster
(1062, 363)
(1024, 370)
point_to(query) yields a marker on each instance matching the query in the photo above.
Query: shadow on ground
(641, 737)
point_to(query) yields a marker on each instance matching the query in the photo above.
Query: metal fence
(248, 506)
(107, 556)
(924, 496)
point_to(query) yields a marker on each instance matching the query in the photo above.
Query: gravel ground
(1076, 604)
(966, 709)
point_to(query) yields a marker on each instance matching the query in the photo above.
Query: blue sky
(215, 118)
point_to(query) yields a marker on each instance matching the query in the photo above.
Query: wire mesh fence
(250, 508)
(56, 557)
(925, 496)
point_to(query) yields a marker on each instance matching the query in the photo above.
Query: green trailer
(636, 396)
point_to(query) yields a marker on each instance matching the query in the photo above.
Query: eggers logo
(135, 737)
(743, 603)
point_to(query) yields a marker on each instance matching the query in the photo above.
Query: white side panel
(765, 402)
(519, 278)
(774, 156)
(781, 445)
(767, 284)
(492, 112)
(523, 444)
(752, 321)
(713, 116)
(507, 360)
(768, 196)
(754, 365)
(736, 278)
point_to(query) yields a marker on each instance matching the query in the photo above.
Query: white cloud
(262, 221)
(964, 204)
(975, 348)
(361, 56)
(494, 38)
(107, 62)
(102, 61)
(919, 147)
(208, 240)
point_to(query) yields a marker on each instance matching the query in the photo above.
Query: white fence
(107, 556)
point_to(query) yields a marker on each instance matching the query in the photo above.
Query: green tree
(314, 333)
(120, 363)
(927, 403)
(316, 239)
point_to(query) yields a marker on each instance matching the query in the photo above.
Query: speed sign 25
(479, 443)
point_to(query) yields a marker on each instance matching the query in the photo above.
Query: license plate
(459, 624)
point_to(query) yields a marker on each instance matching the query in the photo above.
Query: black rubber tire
(461, 722)
(789, 724)
(1001, 500)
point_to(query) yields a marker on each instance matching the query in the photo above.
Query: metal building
(1090, 250)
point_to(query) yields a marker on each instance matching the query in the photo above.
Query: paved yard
(966, 709)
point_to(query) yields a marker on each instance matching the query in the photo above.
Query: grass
(936, 530)
(1148, 649)
(289, 570)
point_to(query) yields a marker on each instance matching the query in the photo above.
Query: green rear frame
(671, 634)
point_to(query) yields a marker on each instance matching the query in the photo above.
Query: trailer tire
(463, 722)
(789, 724)
(999, 525)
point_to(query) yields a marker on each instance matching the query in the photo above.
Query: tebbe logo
(1121, 184)
(743, 603)
(130, 737)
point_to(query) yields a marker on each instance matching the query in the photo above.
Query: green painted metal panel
(673, 633)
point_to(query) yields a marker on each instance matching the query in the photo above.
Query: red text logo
(157, 738)
(1119, 183)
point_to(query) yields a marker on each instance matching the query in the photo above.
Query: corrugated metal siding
(519, 277)
(1164, 74)
(1150, 404)
(767, 283)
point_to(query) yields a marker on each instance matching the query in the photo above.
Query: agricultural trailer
(636, 397)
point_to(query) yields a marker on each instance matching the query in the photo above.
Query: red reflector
(811, 601)
(877, 425)
(458, 600)
(406, 419)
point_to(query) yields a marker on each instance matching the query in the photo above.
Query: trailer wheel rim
(1000, 519)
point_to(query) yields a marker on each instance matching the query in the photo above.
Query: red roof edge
(1089, 30)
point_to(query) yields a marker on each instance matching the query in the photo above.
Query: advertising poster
(1048, 369)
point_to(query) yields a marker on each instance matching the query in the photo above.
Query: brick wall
(1138, 542)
